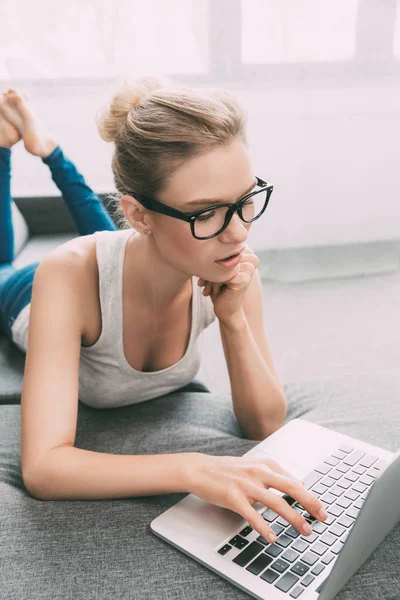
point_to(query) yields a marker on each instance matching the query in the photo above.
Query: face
(223, 175)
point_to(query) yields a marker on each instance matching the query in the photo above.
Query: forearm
(73, 473)
(258, 398)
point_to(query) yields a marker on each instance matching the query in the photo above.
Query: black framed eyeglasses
(209, 222)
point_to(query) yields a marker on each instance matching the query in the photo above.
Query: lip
(235, 254)
(231, 263)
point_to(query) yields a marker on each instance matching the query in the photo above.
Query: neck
(151, 278)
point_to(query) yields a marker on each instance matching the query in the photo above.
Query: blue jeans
(86, 208)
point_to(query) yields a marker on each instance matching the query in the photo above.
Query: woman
(114, 315)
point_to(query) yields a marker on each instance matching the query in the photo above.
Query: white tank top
(106, 379)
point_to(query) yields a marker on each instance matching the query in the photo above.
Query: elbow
(34, 486)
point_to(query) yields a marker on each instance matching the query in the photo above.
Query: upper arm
(253, 310)
(49, 401)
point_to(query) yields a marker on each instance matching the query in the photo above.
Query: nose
(236, 231)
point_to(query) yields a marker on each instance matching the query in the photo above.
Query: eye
(206, 216)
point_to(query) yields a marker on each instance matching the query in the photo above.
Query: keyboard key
(335, 510)
(342, 468)
(309, 538)
(286, 582)
(368, 460)
(331, 460)
(307, 579)
(358, 504)
(328, 538)
(346, 448)
(328, 481)
(224, 549)
(277, 528)
(319, 527)
(319, 489)
(353, 457)
(290, 555)
(323, 468)
(345, 521)
(339, 454)
(343, 502)
(318, 569)
(336, 490)
(263, 540)
(327, 558)
(300, 545)
(359, 487)
(259, 564)
(337, 529)
(246, 531)
(319, 548)
(269, 515)
(310, 558)
(300, 568)
(329, 519)
(351, 476)
(344, 483)
(248, 554)
(335, 474)
(284, 540)
(269, 575)
(366, 480)
(273, 550)
(337, 547)
(351, 494)
(359, 470)
(292, 532)
(238, 542)
(280, 565)
(282, 522)
(328, 498)
(353, 512)
(295, 593)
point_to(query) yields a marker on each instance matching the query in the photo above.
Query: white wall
(332, 155)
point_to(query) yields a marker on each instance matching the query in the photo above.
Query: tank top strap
(110, 252)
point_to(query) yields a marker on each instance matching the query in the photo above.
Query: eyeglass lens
(210, 222)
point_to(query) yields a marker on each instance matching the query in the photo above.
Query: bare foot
(9, 135)
(37, 140)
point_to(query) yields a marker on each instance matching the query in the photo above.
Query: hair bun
(112, 118)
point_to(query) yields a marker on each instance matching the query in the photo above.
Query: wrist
(235, 322)
(192, 466)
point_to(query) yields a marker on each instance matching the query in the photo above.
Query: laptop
(358, 483)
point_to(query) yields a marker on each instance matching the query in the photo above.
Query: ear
(136, 214)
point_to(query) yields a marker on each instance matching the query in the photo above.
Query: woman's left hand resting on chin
(228, 297)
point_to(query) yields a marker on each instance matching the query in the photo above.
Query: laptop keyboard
(341, 482)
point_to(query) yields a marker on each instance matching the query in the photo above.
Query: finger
(298, 492)
(256, 521)
(280, 507)
(295, 490)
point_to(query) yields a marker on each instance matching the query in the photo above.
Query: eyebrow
(211, 201)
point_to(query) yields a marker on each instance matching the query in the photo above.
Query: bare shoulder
(78, 257)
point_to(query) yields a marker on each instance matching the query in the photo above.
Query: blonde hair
(156, 126)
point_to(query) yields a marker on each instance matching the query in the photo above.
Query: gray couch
(105, 548)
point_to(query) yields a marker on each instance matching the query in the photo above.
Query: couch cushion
(97, 549)
(12, 360)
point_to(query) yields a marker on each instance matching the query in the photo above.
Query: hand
(237, 483)
(228, 296)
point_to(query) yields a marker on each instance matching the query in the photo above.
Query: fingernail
(307, 528)
(272, 538)
(322, 513)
